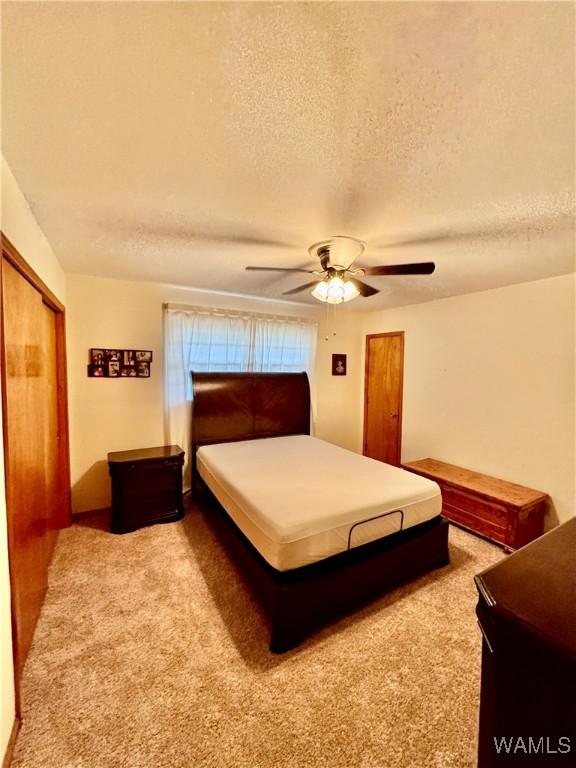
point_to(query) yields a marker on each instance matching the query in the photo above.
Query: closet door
(384, 370)
(31, 449)
(52, 483)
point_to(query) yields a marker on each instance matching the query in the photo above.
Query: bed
(316, 530)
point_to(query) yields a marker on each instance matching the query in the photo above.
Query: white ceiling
(157, 141)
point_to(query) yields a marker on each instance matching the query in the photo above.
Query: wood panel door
(384, 372)
(31, 447)
(53, 501)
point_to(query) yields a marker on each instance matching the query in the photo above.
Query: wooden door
(31, 446)
(51, 432)
(384, 371)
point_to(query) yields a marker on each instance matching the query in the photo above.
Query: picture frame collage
(119, 363)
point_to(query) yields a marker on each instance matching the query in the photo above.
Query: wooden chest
(146, 487)
(503, 512)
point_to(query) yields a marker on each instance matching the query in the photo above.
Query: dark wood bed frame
(245, 406)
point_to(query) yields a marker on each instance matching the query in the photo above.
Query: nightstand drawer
(159, 507)
(148, 479)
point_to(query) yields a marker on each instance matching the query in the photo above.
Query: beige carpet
(150, 654)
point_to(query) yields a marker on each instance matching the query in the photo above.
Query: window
(205, 339)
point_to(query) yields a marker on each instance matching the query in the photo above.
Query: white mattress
(296, 498)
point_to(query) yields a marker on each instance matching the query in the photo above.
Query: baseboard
(90, 513)
(11, 743)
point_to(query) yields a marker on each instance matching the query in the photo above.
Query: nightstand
(146, 487)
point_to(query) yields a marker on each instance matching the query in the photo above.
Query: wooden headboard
(245, 406)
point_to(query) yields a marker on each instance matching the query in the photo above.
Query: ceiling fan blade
(438, 237)
(363, 288)
(555, 220)
(300, 288)
(177, 228)
(237, 240)
(279, 269)
(420, 268)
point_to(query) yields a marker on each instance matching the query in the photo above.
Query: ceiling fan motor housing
(338, 252)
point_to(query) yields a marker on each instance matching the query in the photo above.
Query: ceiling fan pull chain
(330, 320)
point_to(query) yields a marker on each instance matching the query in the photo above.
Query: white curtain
(205, 339)
(284, 345)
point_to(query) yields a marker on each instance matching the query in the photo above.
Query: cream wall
(339, 406)
(110, 415)
(20, 226)
(489, 383)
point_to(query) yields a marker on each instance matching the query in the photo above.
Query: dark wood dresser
(503, 512)
(146, 487)
(527, 613)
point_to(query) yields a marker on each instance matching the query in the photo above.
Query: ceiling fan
(336, 281)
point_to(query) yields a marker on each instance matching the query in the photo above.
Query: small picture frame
(114, 368)
(97, 371)
(97, 357)
(129, 357)
(143, 355)
(338, 365)
(114, 355)
(143, 369)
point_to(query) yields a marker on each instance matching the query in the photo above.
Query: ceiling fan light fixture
(350, 291)
(320, 291)
(335, 290)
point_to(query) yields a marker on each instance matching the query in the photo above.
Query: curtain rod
(220, 311)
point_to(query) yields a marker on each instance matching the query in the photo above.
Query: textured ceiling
(179, 142)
